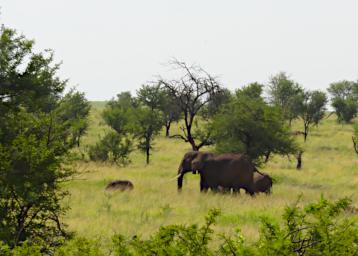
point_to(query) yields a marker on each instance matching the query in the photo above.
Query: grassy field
(330, 167)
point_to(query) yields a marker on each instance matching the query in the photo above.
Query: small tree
(248, 125)
(157, 98)
(284, 93)
(75, 107)
(192, 91)
(146, 124)
(311, 109)
(344, 100)
(112, 147)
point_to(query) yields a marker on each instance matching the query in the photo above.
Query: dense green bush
(112, 147)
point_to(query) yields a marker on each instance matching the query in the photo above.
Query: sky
(111, 46)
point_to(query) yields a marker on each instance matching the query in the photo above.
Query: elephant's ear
(198, 162)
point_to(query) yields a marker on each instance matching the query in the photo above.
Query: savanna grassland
(330, 168)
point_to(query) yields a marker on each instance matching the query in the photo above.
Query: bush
(320, 228)
(112, 147)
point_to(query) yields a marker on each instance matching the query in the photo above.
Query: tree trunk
(305, 134)
(267, 156)
(299, 160)
(167, 128)
(147, 153)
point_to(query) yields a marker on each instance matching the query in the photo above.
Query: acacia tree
(34, 143)
(311, 109)
(344, 100)
(192, 91)
(285, 93)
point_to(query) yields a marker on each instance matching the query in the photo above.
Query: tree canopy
(249, 125)
(38, 127)
(344, 100)
(192, 91)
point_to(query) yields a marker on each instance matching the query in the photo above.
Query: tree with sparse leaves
(311, 109)
(192, 91)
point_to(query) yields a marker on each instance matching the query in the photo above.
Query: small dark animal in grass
(262, 183)
(120, 185)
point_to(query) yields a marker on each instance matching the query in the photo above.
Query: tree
(216, 101)
(170, 109)
(285, 93)
(75, 108)
(249, 125)
(311, 109)
(192, 91)
(135, 118)
(157, 98)
(146, 124)
(344, 99)
(112, 147)
(35, 143)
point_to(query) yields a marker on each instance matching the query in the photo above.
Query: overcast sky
(111, 46)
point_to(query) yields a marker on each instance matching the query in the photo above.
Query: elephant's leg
(249, 190)
(236, 191)
(215, 189)
(203, 186)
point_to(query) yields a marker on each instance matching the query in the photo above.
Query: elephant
(219, 171)
(120, 185)
(262, 182)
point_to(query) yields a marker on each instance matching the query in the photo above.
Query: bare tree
(192, 91)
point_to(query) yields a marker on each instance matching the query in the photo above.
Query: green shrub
(112, 147)
(320, 228)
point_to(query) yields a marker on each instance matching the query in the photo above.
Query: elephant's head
(192, 162)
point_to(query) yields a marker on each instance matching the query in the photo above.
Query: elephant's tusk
(175, 177)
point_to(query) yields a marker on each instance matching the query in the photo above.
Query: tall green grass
(330, 167)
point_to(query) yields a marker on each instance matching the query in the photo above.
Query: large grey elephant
(226, 170)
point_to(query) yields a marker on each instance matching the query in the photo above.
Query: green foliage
(249, 125)
(217, 100)
(171, 240)
(344, 100)
(80, 247)
(311, 109)
(112, 147)
(118, 112)
(129, 117)
(319, 228)
(27, 79)
(35, 139)
(74, 109)
(145, 125)
(285, 94)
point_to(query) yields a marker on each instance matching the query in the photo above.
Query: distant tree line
(208, 114)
